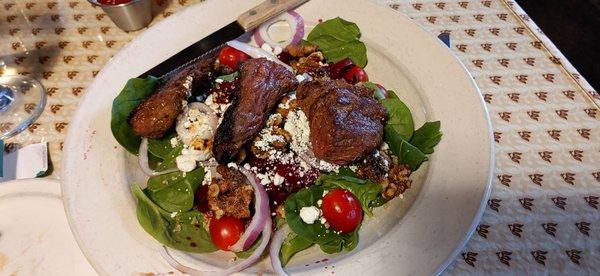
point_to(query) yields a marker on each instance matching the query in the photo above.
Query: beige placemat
(543, 214)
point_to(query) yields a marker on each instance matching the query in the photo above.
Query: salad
(275, 148)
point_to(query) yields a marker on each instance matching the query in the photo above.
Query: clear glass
(22, 101)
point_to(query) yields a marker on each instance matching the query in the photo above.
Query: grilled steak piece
(155, 115)
(262, 84)
(346, 123)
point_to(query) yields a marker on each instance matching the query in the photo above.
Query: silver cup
(130, 16)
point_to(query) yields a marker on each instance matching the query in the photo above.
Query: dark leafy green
(174, 192)
(407, 153)
(169, 160)
(329, 241)
(339, 39)
(427, 137)
(228, 78)
(134, 92)
(184, 231)
(161, 148)
(364, 190)
(292, 245)
(400, 121)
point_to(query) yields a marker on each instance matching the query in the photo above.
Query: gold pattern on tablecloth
(542, 216)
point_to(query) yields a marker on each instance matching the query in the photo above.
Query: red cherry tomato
(356, 75)
(232, 57)
(226, 231)
(342, 210)
(338, 69)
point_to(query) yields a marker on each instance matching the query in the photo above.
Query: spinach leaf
(364, 190)
(293, 244)
(175, 191)
(400, 121)
(327, 239)
(407, 153)
(427, 137)
(161, 148)
(169, 160)
(228, 78)
(134, 92)
(339, 39)
(184, 232)
(378, 202)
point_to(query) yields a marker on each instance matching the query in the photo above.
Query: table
(542, 216)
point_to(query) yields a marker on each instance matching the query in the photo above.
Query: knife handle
(265, 11)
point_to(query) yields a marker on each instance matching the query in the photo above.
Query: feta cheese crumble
(310, 214)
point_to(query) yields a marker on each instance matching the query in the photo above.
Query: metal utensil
(246, 22)
(130, 16)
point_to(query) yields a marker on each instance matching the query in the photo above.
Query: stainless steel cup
(130, 16)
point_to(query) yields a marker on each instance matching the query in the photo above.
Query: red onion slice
(256, 52)
(294, 20)
(143, 160)
(275, 247)
(266, 232)
(262, 214)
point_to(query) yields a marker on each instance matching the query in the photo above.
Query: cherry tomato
(226, 231)
(356, 75)
(232, 57)
(342, 210)
(338, 69)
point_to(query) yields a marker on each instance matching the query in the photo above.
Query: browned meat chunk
(262, 84)
(230, 195)
(383, 169)
(345, 122)
(155, 115)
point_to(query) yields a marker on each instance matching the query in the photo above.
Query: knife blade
(245, 23)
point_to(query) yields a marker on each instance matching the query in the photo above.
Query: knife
(246, 22)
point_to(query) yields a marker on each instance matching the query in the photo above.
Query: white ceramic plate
(35, 238)
(421, 233)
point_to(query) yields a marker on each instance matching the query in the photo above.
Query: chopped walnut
(300, 50)
(202, 144)
(312, 65)
(384, 169)
(398, 181)
(230, 195)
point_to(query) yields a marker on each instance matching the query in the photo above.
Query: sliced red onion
(295, 22)
(262, 214)
(143, 160)
(275, 247)
(213, 119)
(256, 52)
(309, 157)
(266, 232)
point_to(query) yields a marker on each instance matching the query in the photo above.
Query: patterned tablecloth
(543, 214)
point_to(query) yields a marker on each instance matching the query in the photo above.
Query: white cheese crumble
(174, 142)
(187, 161)
(309, 214)
(299, 78)
(278, 179)
(217, 107)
